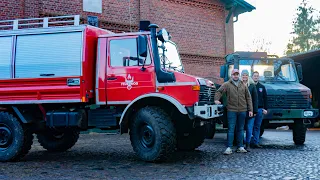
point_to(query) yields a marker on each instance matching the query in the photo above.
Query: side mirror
(299, 69)
(142, 45)
(222, 71)
(163, 35)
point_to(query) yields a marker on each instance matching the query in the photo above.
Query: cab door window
(123, 52)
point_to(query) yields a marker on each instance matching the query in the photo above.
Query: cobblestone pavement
(101, 156)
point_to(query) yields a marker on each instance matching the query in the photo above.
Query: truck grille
(294, 100)
(206, 95)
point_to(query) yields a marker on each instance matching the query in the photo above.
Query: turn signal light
(160, 88)
(196, 88)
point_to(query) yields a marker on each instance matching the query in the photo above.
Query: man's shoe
(228, 151)
(241, 150)
(256, 146)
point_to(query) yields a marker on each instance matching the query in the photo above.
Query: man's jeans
(256, 127)
(236, 119)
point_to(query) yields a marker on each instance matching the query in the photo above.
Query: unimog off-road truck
(288, 100)
(58, 77)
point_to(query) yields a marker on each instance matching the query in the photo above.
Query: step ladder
(45, 22)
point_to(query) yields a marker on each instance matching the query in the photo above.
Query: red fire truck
(59, 77)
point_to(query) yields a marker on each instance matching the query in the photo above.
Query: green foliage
(306, 30)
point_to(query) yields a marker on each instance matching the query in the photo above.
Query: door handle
(46, 74)
(111, 78)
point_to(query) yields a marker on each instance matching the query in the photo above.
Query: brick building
(197, 26)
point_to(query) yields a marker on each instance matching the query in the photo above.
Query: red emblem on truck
(129, 82)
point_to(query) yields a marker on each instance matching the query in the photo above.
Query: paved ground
(101, 156)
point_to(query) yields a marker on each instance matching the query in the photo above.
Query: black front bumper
(278, 114)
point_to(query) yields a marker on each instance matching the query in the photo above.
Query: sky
(271, 21)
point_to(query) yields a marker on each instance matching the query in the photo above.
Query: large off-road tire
(210, 129)
(191, 141)
(299, 131)
(152, 134)
(15, 138)
(55, 141)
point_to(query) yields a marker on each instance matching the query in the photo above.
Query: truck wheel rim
(147, 136)
(5, 136)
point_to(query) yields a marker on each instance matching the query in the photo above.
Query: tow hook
(306, 121)
(198, 123)
(219, 110)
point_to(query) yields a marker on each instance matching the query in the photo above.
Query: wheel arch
(168, 103)
(26, 114)
(18, 113)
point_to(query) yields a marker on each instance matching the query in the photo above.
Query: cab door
(126, 79)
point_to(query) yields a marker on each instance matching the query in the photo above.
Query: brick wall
(31, 8)
(11, 9)
(203, 66)
(197, 26)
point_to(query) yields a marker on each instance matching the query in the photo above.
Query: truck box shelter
(42, 69)
(310, 62)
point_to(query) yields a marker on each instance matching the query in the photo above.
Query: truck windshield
(169, 56)
(269, 69)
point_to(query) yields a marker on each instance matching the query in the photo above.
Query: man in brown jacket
(238, 103)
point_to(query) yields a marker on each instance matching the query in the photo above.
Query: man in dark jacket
(238, 103)
(262, 109)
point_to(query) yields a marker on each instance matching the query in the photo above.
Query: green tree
(306, 33)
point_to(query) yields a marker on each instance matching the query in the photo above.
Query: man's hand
(264, 111)
(217, 102)
(250, 114)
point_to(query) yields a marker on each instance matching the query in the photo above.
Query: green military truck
(289, 102)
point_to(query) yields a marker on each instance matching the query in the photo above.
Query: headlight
(308, 113)
(210, 83)
(202, 82)
(205, 82)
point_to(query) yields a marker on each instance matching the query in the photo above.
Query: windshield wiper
(278, 76)
(176, 68)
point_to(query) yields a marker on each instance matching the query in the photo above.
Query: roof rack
(40, 22)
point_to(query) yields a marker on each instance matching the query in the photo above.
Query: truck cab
(288, 100)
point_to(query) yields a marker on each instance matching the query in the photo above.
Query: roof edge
(237, 7)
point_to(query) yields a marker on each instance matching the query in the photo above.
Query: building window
(123, 52)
